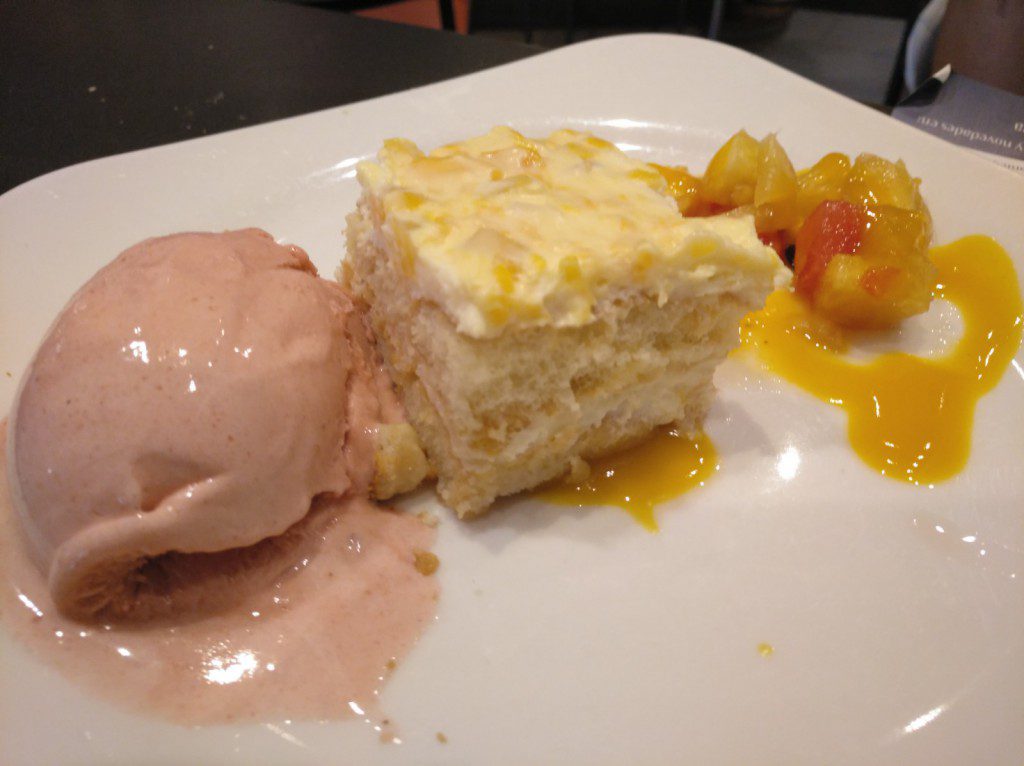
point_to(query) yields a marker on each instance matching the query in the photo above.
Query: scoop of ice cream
(192, 398)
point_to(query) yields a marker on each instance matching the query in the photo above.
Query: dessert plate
(799, 609)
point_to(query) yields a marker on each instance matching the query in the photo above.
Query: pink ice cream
(194, 397)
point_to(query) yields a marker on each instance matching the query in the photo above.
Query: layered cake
(539, 302)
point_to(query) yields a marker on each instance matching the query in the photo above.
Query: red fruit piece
(833, 227)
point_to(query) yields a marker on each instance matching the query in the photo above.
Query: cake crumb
(391, 664)
(428, 519)
(579, 470)
(388, 734)
(426, 563)
(8, 374)
(765, 650)
(442, 738)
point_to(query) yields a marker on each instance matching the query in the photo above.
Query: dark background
(82, 79)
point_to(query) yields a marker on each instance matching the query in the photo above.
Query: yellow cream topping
(503, 230)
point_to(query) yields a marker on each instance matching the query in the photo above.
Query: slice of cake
(539, 302)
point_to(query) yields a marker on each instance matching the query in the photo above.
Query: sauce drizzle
(909, 417)
(661, 468)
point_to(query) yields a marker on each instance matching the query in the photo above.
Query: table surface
(85, 79)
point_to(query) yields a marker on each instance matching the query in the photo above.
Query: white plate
(570, 637)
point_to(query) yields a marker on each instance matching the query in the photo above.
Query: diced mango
(861, 230)
(776, 188)
(874, 181)
(875, 279)
(892, 233)
(832, 228)
(823, 180)
(682, 185)
(842, 298)
(731, 175)
(856, 292)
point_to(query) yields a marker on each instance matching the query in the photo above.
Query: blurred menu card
(986, 120)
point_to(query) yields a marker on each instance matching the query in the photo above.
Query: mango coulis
(909, 417)
(665, 466)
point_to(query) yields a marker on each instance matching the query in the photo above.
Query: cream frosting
(505, 231)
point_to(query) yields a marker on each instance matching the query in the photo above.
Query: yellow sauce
(909, 417)
(665, 466)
